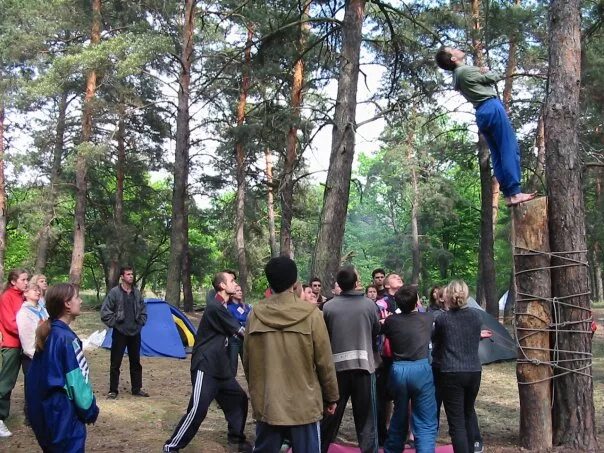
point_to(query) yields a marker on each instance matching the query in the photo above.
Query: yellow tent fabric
(183, 328)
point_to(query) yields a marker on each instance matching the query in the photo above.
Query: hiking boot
(478, 447)
(112, 395)
(4, 432)
(140, 392)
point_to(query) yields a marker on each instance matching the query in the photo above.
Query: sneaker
(112, 395)
(140, 393)
(478, 447)
(4, 432)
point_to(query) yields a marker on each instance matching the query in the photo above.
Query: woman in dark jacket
(456, 339)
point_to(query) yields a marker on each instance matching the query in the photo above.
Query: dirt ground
(133, 424)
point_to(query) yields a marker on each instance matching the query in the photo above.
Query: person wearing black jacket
(125, 311)
(456, 338)
(211, 372)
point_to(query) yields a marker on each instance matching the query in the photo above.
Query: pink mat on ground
(337, 448)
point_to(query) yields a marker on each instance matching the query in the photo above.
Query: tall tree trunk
(415, 252)
(413, 162)
(291, 155)
(270, 201)
(486, 291)
(187, 287)
(328, 248)
(81, 165)
(536, 181)
(116, 249)
(598, 284)
(597, 269)
(51, 198)
(510, 70)
(2, 194)
(241, 166)
(178, 234)
(573, 408)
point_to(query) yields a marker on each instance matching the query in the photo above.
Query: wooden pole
(530, 237)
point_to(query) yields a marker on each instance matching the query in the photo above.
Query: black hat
(281, 273)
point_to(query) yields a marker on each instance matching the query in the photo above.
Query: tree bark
(573, 409)
(328, 249)
(2, 194)
(81, 165)
(413, 163)
(291, 155)
(536, 181)
(49, 206)
(270, 201)
(178, 234)
(486, 291)
(530, 240)
(487, 286)
(597, 268)
(241, 169)
(187, 287)
(116, 249)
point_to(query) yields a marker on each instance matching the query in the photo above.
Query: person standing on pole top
(125, 311)
(477, 86)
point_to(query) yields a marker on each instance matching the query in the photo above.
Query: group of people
(35, 336)
(304, 360)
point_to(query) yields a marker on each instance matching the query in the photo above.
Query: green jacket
(287, 361)
(473, 85)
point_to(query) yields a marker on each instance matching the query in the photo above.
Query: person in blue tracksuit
(240, 311)
(59, 396)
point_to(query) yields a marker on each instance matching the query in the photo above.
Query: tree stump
(530, 240)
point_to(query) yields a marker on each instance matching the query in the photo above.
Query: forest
(187, 137)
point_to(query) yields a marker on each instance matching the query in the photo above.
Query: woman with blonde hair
(29, 317)
(42, 282)
(456, 339)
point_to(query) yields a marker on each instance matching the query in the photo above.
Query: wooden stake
(530, 234)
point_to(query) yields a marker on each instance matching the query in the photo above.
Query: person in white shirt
(29, 317)
(40, 280)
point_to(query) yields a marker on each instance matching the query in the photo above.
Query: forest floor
(134, 424)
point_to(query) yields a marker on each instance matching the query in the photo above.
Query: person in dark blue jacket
(59, 396)
(240, 311)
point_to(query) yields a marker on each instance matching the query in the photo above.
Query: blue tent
(168, 332)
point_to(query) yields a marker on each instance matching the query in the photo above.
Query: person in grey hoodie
(353, 326)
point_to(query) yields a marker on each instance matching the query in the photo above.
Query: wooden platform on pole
(530, 242)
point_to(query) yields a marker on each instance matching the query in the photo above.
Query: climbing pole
(532, 321)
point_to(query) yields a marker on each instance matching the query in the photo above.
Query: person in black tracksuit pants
(211, 372)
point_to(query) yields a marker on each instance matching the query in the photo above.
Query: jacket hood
(283, 310)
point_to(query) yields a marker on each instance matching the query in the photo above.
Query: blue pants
(412, 381)
(492, 120)
(303, 438)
